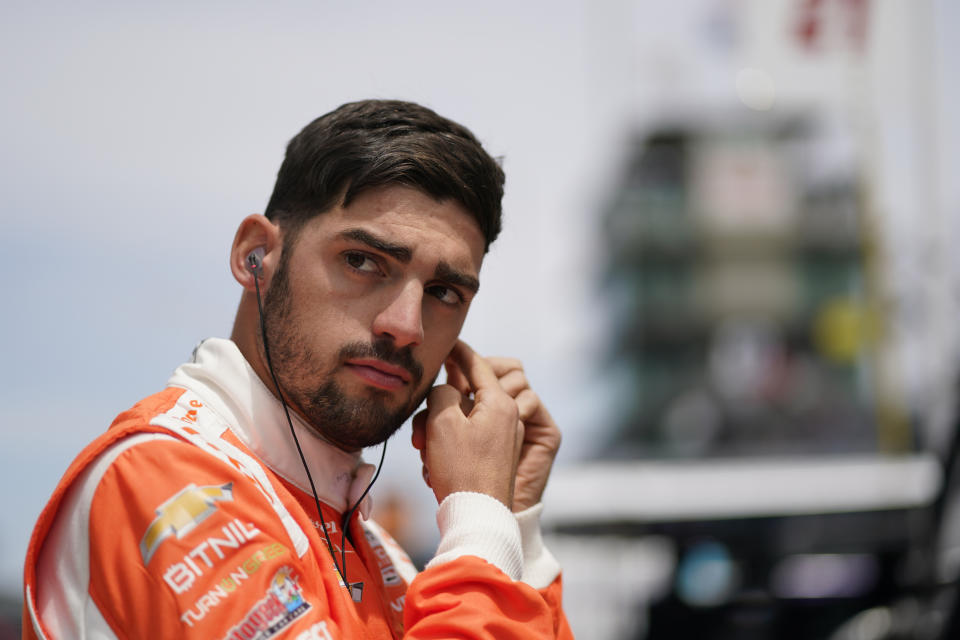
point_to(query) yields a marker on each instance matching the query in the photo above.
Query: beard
(349, 422)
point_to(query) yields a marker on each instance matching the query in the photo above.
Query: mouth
(379, 373)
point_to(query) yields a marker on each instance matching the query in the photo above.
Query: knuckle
(513, 363)
(508, 405)
(557, 439)
(442, 390)
(527, 401)
(491, 396)
(505, 365)
(449, 414)
(516, 379)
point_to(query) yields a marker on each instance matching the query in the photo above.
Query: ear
(256, 231)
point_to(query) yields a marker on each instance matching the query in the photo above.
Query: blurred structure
(10, 624)
(739, 276)
(395, 512)
(783, 455)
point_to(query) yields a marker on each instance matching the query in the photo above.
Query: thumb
(419, 435)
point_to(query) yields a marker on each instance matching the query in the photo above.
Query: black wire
(323, 526)
(349, 514)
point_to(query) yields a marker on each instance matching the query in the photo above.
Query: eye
(445, 294)
(361, 262)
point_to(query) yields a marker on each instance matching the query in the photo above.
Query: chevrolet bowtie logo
(181, 513)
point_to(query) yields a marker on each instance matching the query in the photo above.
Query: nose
(402, 318)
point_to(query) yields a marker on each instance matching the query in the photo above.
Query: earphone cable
(349, 514)
(296, 441)
(342, 570)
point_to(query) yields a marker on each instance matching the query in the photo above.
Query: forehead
(432, 230)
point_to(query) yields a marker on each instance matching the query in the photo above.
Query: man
(225, 506)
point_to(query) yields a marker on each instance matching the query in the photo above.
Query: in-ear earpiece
(255, 261)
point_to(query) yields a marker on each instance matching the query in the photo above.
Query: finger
(426, 475)
(455, 377)
(442, 397)
(419, 435)
(528, 403)
(514, 382)
(502, 366)
(479, 374)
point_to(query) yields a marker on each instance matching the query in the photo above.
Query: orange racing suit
(192, 517)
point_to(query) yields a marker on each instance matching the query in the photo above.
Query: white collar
(220, 375)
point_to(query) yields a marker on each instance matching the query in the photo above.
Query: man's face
(366, 306)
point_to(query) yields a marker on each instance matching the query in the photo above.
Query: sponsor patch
(388, 572)
(182, 575)
(182, 513)
(389, 575)
(282, 604)
(227, 585)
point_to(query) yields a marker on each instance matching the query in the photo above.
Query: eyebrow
(398, 252)
(448, 274)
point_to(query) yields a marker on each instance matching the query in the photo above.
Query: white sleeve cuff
(475, 524)
(540, 568)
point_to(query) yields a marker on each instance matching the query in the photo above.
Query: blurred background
(727, 263)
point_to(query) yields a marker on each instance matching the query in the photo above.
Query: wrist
(499, 491)
(479, 525)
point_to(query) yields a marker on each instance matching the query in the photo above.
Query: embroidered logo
(282, 605)
(182, 513)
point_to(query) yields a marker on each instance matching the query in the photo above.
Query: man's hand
(541, 437)
(470, 444)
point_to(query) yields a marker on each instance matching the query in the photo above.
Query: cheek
(439, 339)
(333, 303)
